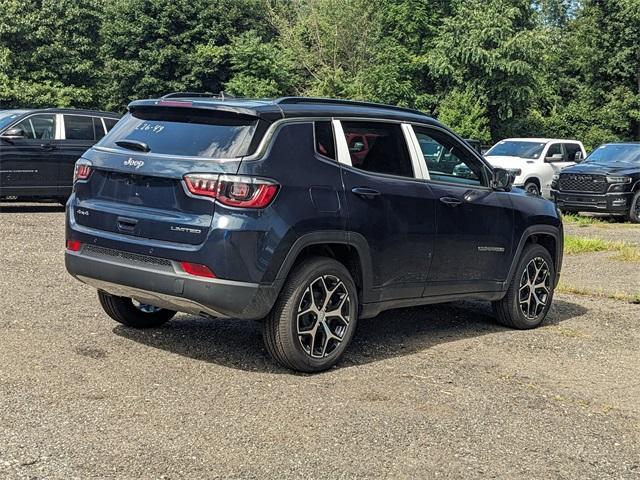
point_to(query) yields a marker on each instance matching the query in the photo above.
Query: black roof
(80, 111)
(286, 107)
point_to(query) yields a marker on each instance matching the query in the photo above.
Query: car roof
(79, 111)
(539, 140)
(288, 107)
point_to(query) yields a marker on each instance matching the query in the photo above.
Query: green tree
(493, 48)
(49, 52)
(466, 112)
(154, 47)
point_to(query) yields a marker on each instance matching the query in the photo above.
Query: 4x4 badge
(130, 162)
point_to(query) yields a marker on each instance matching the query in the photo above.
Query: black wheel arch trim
(529, 232)
(344, 237)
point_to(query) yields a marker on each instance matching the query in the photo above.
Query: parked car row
(39, 148)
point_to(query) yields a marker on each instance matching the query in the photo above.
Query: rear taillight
(197, 269)
(74, 245)
(232, 190)
(82, 171)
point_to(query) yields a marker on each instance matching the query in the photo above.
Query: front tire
(530, 294)
(314, 318)
(123, 310)
(634, 210)
(532, 188)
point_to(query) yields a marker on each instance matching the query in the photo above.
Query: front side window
(78, 127)
(38, 127)
(185, 133)
(554, 154)
(447, 161)
(109, 123)
(378, 147)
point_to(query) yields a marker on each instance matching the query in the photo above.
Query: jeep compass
(306, 214)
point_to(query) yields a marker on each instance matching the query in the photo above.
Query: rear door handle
(451, 201)
(365, 192)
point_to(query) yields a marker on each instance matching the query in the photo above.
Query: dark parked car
(257, 210)
(608, 181)
(39, 148)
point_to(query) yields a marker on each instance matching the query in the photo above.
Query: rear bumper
(159, 282)
(591, 202)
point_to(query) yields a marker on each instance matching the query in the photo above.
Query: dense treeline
(488, 68)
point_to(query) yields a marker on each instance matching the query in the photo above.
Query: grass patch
(574, 245)
(625, 297)
(588, 221)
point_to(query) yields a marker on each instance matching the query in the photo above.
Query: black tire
(509, 310)
(532, 187)
(302, 290)
(124, 311)
(634, 210)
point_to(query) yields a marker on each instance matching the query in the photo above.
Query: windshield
(513, 148)
(629, 153)
(7, 117)
(188, 133)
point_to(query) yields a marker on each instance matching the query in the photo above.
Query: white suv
(535, 160)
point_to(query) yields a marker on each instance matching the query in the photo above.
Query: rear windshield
(185, 132)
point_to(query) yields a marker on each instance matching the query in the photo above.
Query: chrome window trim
(342, 148)
(419, 165)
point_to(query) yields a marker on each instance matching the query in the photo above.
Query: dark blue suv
(306, 214)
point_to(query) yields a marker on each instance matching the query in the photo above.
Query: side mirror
(556, 157)
(13, 134)
(578, 157)
(356, 147)
(502, 179)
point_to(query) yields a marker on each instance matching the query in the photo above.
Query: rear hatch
(136, 182)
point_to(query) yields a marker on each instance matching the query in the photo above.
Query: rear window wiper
(133, 145)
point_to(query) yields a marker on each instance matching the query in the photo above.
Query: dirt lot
(439, 392)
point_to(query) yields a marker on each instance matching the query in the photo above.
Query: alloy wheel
(323, 316)
(145, 308)
(535, 288)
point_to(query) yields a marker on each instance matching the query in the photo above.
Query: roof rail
(221, 95)
(337, 101)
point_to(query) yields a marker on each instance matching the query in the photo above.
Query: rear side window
(77, 127)
(186, 132)
(325, 144)
(378, 147)
(109, 123)
(98, 129)
(572, 149)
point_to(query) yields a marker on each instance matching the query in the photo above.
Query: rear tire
(530, 293)
(314, 318)
(124, 311)
(634, 210)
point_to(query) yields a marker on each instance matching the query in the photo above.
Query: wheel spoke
(534, 288)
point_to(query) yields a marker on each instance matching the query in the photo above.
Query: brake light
(197, 269)
(174, 103)
(74, 245)
(233, 190)
(82, 171)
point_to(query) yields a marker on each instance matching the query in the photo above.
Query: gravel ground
(615, 232)
(438, 392)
